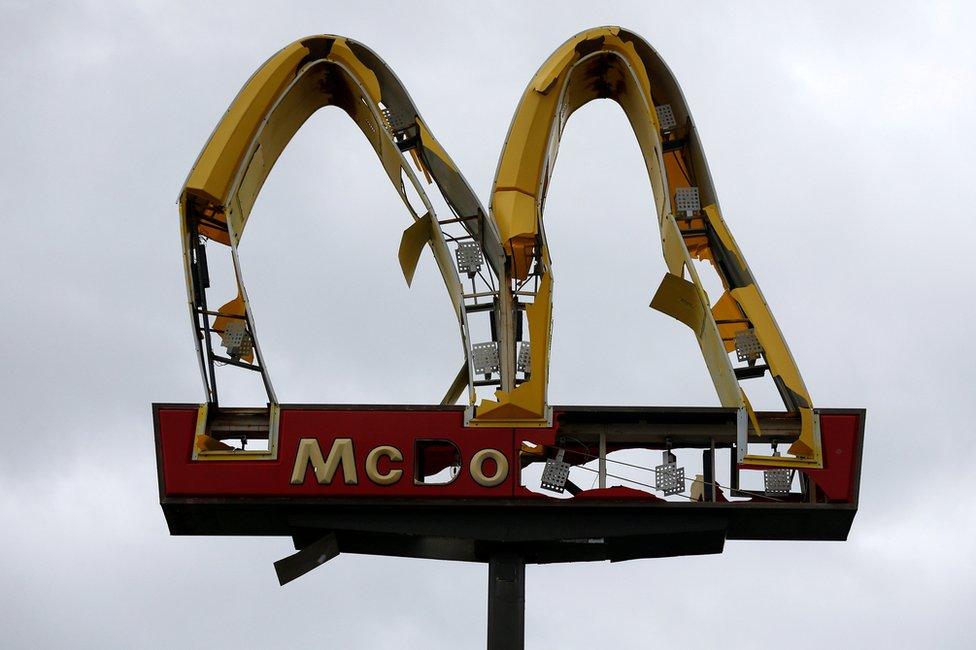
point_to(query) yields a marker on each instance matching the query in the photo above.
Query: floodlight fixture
(469, 257)
(556, 473)
(687, 200)
(747, 347)
(665, 117)
(779, 480)
(236, 339)
(524, 361)
(484, 357)
(668, 477)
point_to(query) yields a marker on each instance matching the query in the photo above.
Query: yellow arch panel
(225, 181)
(612, 63)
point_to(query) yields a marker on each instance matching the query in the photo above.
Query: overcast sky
(840, 140)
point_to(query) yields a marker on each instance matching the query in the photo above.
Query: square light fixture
(236, 339)
(668, 477)
(686, 200)
(665, 116)
(524, 361)
(556, 473)
(469, 257)
(747, 346)
(484, 357)
(778, 481)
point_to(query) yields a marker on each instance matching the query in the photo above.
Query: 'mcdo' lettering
(343, 453)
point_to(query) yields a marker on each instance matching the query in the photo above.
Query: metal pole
(506, 602)
(602, 469)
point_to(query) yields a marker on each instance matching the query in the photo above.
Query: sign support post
(506, 601)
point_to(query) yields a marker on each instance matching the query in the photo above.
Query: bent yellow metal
(222, 187)
(612, 63)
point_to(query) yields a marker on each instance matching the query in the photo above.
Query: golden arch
(612, 63)
(218, 195)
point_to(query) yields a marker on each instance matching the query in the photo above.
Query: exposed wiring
(648, 469)
(635, 482)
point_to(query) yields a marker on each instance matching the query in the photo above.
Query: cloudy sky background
(840, 141)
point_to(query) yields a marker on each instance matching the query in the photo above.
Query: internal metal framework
(495, 265)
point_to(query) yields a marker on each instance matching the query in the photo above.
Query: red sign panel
(414, 453)
(402, 453)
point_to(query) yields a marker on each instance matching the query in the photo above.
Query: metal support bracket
(312, 556)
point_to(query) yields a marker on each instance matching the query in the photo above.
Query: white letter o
(501, 467)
